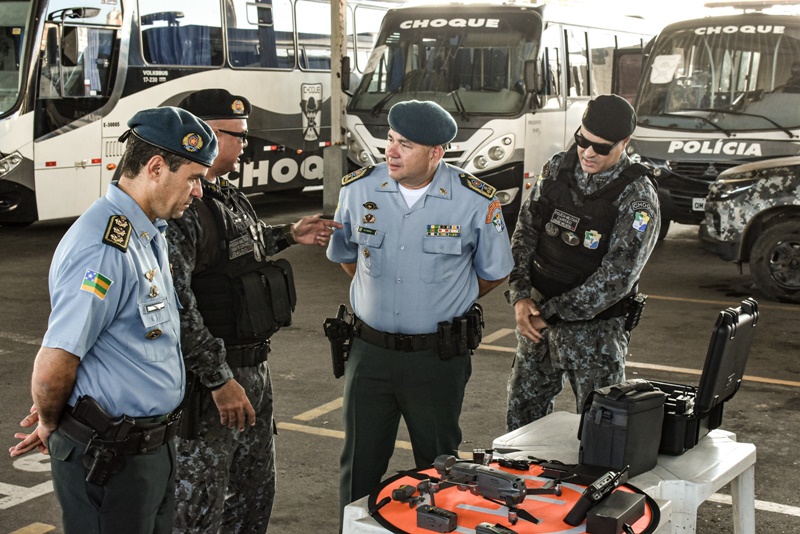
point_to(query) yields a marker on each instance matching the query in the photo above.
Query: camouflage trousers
(225, 480)
(591, 355)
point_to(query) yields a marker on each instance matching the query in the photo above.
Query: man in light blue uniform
(422, 240)
(110, 369)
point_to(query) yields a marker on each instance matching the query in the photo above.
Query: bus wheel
(775, 262)
(662, 232)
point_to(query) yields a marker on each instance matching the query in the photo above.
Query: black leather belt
(144, 438)
(401, 342)
(247, 355)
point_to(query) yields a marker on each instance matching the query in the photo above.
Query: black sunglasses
(602, 149)
(240, 135)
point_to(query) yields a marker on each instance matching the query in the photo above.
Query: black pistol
(339, 331)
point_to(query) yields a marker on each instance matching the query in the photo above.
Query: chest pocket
(158, 336)
(440, 259)
(370, 251)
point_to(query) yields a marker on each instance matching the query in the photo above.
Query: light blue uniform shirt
(418, 266)
(128, 338)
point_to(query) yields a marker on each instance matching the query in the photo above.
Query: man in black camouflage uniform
(226, 466)
(583, 237)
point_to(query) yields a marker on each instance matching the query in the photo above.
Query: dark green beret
(423, 122)
(216, 104)
(610, 117)
(176, 131)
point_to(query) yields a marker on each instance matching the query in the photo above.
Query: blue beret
(610, 117)
(216, 104)
(426, 123)
(176, 131)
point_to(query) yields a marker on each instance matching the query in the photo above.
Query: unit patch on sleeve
(480, 187)
(118, 232)
(357, 175)
(96, 284)
(640, 221)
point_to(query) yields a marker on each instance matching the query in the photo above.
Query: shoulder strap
(118, 232)
(478, 186)
(357, 175)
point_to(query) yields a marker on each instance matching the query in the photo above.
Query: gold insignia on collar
(118, 232)
(153, 334)
(154, 291)
(150, 274)
(145, 235)
(442, 190)
(384, 184)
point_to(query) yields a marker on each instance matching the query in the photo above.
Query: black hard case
(691, 412)
(621, 426)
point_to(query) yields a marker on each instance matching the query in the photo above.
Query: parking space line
(655, 367)
(11, 336)
(765, 506)
(328, 433)
(320, 410)
(35, 528)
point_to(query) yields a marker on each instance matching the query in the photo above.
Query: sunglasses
(602, 149)
(241, 135)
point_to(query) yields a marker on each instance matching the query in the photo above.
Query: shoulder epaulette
(357, 175)
(479, 186)
(118, 232)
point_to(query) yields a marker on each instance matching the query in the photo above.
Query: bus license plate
(698, 204)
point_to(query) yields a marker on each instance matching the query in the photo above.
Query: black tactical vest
(573, 236)
(245, 298)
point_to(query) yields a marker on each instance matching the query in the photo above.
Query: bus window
(550, 68)
(191, 37)
(314, 35)
(578, 69)
(601, 52)
(367, 21)
(260, 34)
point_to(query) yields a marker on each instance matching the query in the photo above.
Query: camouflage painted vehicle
(752, 215)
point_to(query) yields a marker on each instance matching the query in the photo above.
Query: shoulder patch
(356, 175)
(479, 186)
(118, 232)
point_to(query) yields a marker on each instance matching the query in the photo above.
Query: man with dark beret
(422, 241)
(233, 299)
(583, 237)
(110, 373)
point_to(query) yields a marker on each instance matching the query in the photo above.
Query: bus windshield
(467, 65)
(13, 29)
(724, 76)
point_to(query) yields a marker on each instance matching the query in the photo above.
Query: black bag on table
(621, 426)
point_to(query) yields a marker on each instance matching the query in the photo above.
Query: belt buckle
(404, 342)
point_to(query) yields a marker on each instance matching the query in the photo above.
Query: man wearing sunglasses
(232, 301)
(583, 237)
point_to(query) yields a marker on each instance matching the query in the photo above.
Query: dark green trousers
(382, 385)
(140, 499)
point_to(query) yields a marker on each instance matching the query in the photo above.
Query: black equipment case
(691, 412)
(621, 426)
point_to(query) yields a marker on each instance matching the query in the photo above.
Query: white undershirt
(412, 195)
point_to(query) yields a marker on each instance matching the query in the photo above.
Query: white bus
(717, 92)
(71, 77)
(516, 77)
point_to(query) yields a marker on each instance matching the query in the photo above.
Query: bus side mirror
(532, 83)
(346, 76)
(531, 75)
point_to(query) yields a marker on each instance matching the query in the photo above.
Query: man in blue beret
(422, 240)
(109, 373)
(583, 237)
(218, 252)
